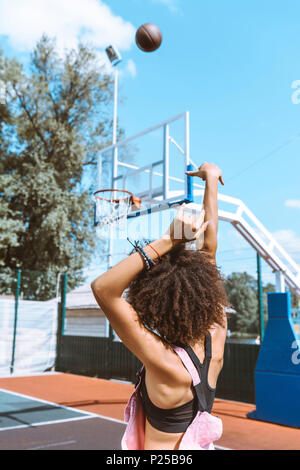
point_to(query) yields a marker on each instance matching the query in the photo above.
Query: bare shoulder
(170, 371)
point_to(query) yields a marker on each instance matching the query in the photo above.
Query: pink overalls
(200, 434)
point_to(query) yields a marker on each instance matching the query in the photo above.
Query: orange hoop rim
(112, 200)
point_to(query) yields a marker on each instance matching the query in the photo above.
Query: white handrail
(255, 234)
(264, 247)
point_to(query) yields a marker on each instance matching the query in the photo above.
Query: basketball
(148, 37)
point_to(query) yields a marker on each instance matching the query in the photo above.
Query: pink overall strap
(139, 376)
(188, 363)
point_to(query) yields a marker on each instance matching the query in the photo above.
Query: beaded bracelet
(147, 260)
(150, 260)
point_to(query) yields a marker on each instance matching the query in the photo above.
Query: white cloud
(234, 240)
(131, 68)
(171, 4)
(289, 240)
(25, 21)
(292, 203)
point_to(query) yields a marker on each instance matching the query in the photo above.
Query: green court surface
(18, 411)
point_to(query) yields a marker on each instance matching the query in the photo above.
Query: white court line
(222, 448)
(87, 414)
(55, 444)
(111, 419)
(46, 423)
(46, 401)
(126, 382)
(11, 376)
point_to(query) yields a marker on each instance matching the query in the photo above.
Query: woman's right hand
(206, 170)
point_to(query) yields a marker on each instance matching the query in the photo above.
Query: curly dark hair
(181, 297)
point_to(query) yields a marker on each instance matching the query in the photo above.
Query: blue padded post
(190, 192)
(277, 371)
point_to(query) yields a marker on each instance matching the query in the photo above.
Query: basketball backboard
(151, 165)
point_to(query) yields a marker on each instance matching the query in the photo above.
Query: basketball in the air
(148, 37)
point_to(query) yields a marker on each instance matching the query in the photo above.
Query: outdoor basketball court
(56, 411)
(64, 411)
(29, 423)
(138, 178)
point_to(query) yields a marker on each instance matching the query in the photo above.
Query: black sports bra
(176, 420)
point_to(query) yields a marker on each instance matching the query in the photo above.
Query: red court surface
(108, 398)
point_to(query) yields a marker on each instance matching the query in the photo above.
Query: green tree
(267, 288)
(54, 119)
(10, 225)
(241, 289)
(294, 300)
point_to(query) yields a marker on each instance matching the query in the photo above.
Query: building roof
(82, 297)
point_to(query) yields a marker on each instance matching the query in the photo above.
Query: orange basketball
(148, 37)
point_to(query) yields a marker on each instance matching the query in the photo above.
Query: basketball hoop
(112, 207)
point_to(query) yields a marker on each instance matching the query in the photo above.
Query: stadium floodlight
(114, 55)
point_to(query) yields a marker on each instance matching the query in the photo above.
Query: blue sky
(231, 64)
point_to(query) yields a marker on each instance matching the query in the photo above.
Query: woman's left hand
(186, 227)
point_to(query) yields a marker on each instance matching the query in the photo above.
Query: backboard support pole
(166, 162)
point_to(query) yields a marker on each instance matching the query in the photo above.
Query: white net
(112, 208)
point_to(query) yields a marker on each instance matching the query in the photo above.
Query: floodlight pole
(115, 59)
(115, 156)
(114, 141)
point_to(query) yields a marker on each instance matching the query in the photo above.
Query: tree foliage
(54, 118)
(241, 289)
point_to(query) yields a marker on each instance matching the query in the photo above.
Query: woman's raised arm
(211, 174)
(109, 287)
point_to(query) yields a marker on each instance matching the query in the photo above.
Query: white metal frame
(168, 139)
(285, 269)
(243, 220)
